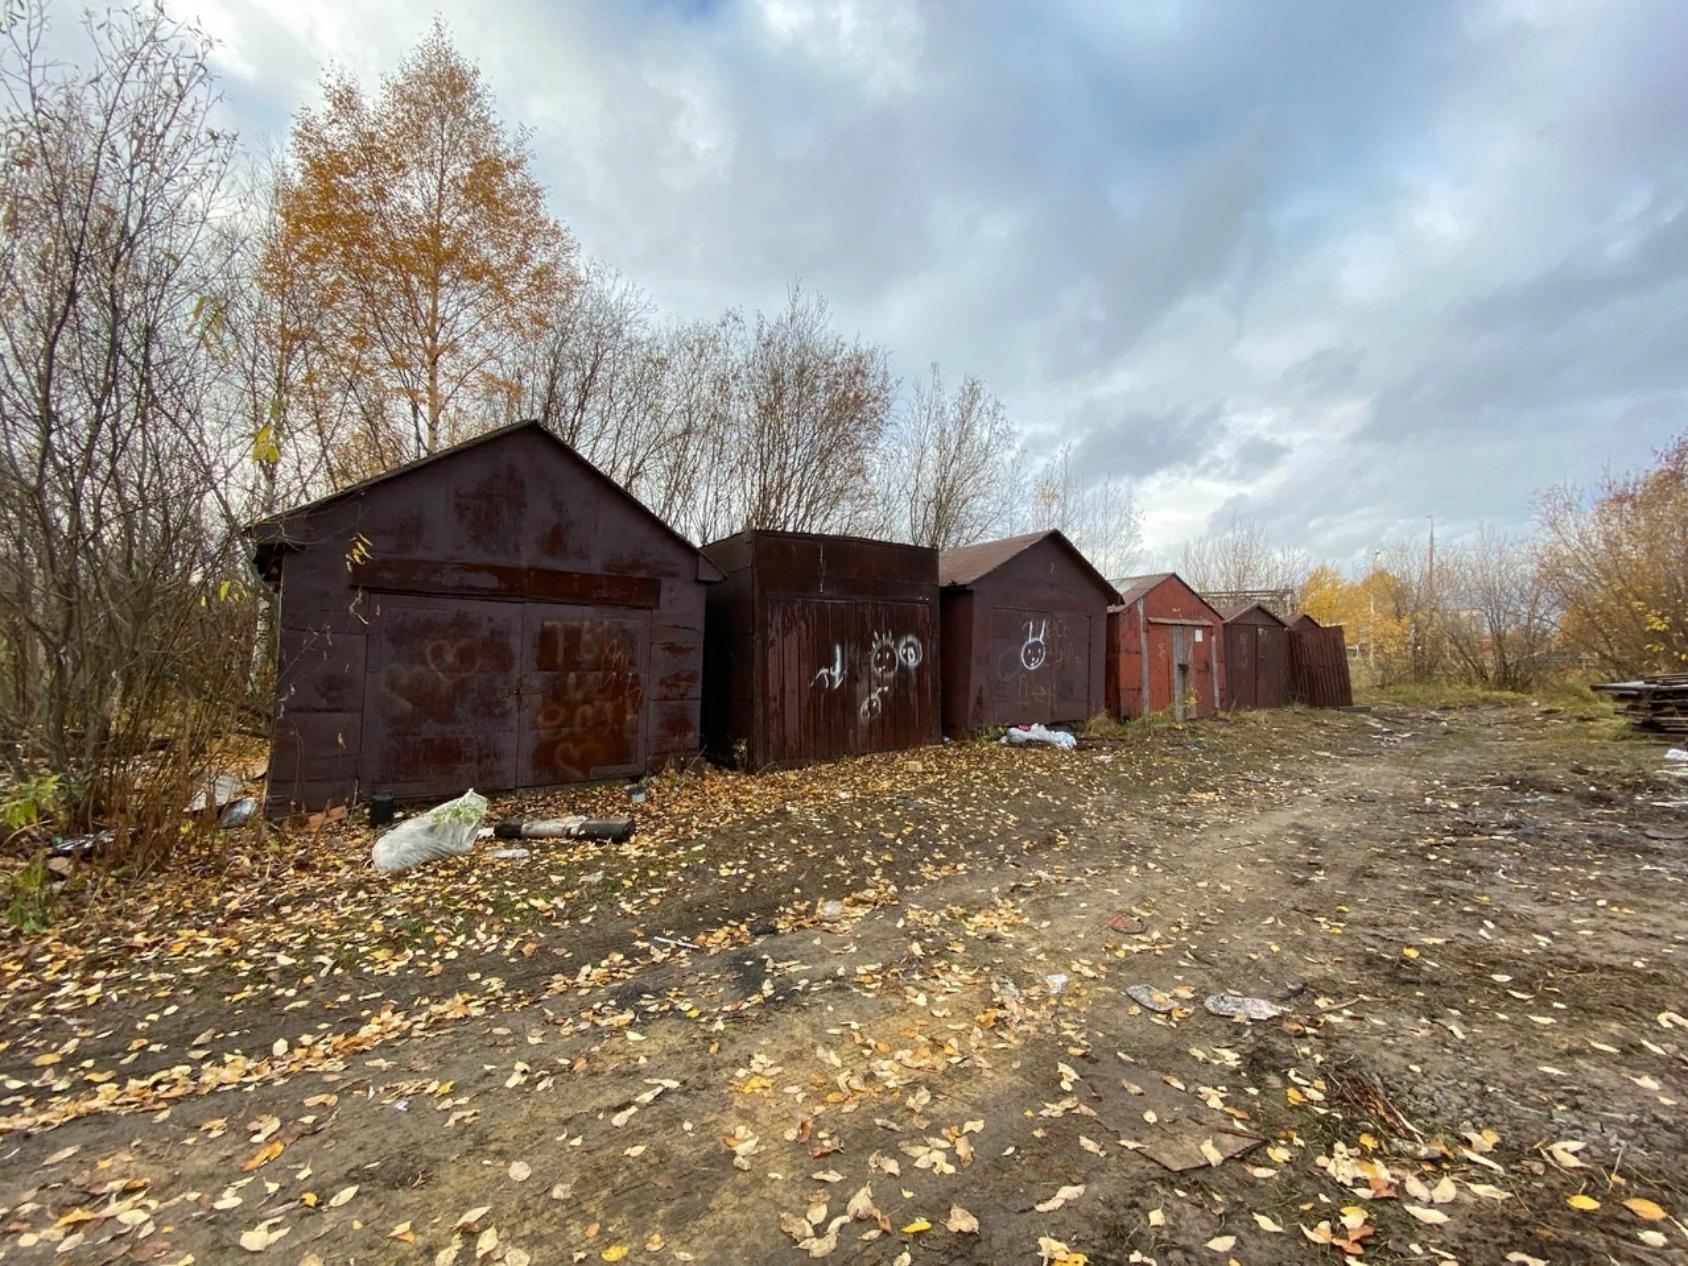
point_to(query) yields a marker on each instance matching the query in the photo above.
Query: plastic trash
(1677, 753)
(509, 854)
(1232, 1005)
(446, 830)
(831, 909)
(1150, 997)
(239, 813)
(1056, 981)
(1021, 735)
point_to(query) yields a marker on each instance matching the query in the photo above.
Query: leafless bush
(1239, 555)
(1495, 612)
(124, 618)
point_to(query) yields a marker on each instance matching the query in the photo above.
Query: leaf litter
(848, 963)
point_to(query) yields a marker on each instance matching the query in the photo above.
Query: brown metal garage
(1025, 632)
(819, 646)
(1256, 658)
(500, 614)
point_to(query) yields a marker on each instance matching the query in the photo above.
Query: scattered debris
(446, 830)
(1232, 1005)
(239, 813)
(613, 830)
(1020, 735)
(1150, 997)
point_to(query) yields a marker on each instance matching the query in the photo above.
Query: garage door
(846, 678)
(582, 695)
(464, 693)
(1040, 666)
(440, 698)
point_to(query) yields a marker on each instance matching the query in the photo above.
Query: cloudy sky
(1335, 266)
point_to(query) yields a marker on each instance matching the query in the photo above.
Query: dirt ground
(1473, 923)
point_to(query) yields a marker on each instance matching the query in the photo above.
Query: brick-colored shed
(1024, 633)
(1163, 650)
(819, 646)
(1256, 658)
(500, 614)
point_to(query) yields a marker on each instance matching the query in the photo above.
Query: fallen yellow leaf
(263, 1156)
(1645, 1209)
(1580, 1201)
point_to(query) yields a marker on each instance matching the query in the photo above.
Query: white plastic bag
(1020, 735)
(446, 830)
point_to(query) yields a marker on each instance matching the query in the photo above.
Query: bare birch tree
(813, 407)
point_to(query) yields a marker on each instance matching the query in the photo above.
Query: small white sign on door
(1199, 633)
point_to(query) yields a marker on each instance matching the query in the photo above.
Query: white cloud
(1356, 263)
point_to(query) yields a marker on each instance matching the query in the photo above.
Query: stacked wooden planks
(1653, 703)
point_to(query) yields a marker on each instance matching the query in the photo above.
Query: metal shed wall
(1026, 641)
(1318, 665)
(1256, 673)
(498, 615)
(1163, 653)
(820, 646)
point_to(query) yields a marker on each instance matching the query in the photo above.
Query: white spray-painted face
(910, 652)
(882, 657)
(874, 704)
(1034, 651)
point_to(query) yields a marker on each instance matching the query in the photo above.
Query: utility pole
(1430, 579)
(1430, 617)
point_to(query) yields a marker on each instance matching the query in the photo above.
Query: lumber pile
(1653, 703)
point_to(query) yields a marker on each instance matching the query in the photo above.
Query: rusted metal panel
(1030, 615)
(487, 580)
(1163, 650)
(820, 646)
(500, 614)
(1256, 658)
(582, 694)
(1318, 666)
(441, 695)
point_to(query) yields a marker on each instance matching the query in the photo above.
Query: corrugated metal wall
(821, 646)
(1318, 667)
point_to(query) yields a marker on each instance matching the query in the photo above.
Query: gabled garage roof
(271, 533)
(967, 564)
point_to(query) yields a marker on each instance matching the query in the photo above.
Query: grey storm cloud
(1336, 266)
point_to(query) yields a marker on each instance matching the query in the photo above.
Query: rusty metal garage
(1163, 650)
(1024, 633)
(819, 646)
(498, 615)
(1256, 658)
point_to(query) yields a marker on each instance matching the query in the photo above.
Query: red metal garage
(1163, 656)
(819, 646)
(1024, 633)
(1256, 658)
(500, 614)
